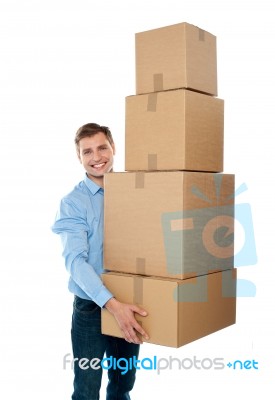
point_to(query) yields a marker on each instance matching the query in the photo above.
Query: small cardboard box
(172, 224)
(174, 130)
(179, 311)
(176, 56)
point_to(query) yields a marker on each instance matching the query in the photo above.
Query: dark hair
(91, 129)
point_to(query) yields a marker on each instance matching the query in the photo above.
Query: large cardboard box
(179, 311)
(170, 224)
(176, 56)
(174, 130)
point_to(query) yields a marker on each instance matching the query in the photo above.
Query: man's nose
(96, 155)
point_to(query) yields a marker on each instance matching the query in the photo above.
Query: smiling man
(79, 222)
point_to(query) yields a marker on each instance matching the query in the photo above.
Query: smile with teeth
(98, 166)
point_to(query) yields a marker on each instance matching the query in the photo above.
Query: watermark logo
(208, 233)
(158, 364)
(200, 232)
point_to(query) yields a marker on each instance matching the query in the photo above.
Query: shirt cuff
(102, 297)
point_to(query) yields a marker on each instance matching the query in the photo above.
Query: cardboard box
(179, 311)
(174, 130)
(172, 224)
(176, 56)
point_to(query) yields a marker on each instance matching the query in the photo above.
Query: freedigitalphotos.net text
(157, 364)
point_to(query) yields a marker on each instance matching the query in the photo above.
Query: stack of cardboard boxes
(169, 220)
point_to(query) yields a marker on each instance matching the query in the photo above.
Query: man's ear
(114, 148)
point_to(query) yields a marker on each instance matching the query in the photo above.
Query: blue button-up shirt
(79, 222)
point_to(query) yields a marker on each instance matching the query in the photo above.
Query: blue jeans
(88, 343)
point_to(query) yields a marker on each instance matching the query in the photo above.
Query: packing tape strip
(140, 266)
(139, 180)
(152, 102)
(152, 161)
(138, 290)
(138, 296)
(158, 82)
(201, 35)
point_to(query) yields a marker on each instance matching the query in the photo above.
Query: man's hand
(125, 317)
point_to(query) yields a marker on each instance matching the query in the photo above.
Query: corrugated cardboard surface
(170, 224)
(179, 311)
(174, 130)
(176, 56)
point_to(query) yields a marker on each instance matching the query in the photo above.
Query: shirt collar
(92, 186)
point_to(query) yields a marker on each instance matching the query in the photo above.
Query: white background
(65, 63)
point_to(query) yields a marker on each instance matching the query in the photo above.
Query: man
(79, 222)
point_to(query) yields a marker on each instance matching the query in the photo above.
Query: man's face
(96, 155)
